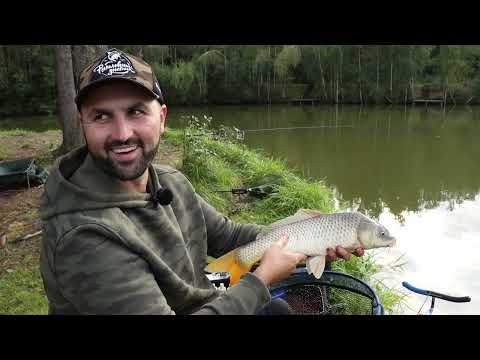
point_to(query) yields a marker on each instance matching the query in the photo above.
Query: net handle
(433, 294)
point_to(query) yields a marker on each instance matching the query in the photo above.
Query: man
(124, 237)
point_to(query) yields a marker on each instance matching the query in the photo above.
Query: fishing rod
(257, 191)
(300, 127)
(236, 191)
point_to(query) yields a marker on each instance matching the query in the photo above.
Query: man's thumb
(300, 257)
(283, 241)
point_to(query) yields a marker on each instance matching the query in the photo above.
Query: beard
(128, 172)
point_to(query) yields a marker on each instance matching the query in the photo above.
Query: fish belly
(250, 253)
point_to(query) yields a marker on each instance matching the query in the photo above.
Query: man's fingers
(283, 241)
(359, 252)
(344, 254)
(331, 255)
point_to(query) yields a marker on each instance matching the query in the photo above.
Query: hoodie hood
(77, 184)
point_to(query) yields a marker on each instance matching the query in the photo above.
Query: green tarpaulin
(23, 172)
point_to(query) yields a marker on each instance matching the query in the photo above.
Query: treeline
(241, 74)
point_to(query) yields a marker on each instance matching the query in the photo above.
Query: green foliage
(27, 80)
(286, 60)
(236, 74)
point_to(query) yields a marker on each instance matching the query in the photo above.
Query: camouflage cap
(116, 64)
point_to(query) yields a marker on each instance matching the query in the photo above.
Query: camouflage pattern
(142, 74)
(108, 251)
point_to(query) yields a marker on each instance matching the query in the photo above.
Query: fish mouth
(393, 242)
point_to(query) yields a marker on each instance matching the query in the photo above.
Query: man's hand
(276, 263)
(340, 252)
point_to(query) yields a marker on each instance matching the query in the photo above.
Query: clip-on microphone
(163, 197)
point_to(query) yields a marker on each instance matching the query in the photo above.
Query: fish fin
(229, 263)
(302, 214)
(308, 213)
(316, 265)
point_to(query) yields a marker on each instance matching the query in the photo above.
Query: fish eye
(382, 233)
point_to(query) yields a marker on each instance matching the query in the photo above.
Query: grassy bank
(21, 286)
(217, 160)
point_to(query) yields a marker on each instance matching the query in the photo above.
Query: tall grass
(218, 160)
(367, 269)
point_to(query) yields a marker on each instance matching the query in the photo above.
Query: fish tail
(229, 263)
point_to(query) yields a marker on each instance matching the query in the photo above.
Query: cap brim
(82, 93)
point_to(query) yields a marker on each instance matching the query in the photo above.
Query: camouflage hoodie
(109, 251)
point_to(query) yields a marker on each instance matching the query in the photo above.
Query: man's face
(122, 124)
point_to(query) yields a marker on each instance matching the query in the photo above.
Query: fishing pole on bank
(299, 128)
(257, 191)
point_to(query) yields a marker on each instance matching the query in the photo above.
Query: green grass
(33, 124)
(31, 215)
(3, 153)
(173, 136)
(15, 132)
(22, 293)
(294, 194)
(209, 176)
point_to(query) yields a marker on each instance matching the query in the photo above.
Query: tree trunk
(391, 78)
(66, 109)
(413, 88)
(5, 58)
(445, 93)
(341, 71)
(360, 75)
(378, 71)
(137, 51)
(274, 77)
(173, 53)
(82, 55)
(323, 77)
(413, 71)
(227, 68)
(259, 84)
(268, 88)
(336, 92)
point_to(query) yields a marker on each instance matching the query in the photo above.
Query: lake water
(416, 170)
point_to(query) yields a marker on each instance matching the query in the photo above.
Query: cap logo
(114, 63)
